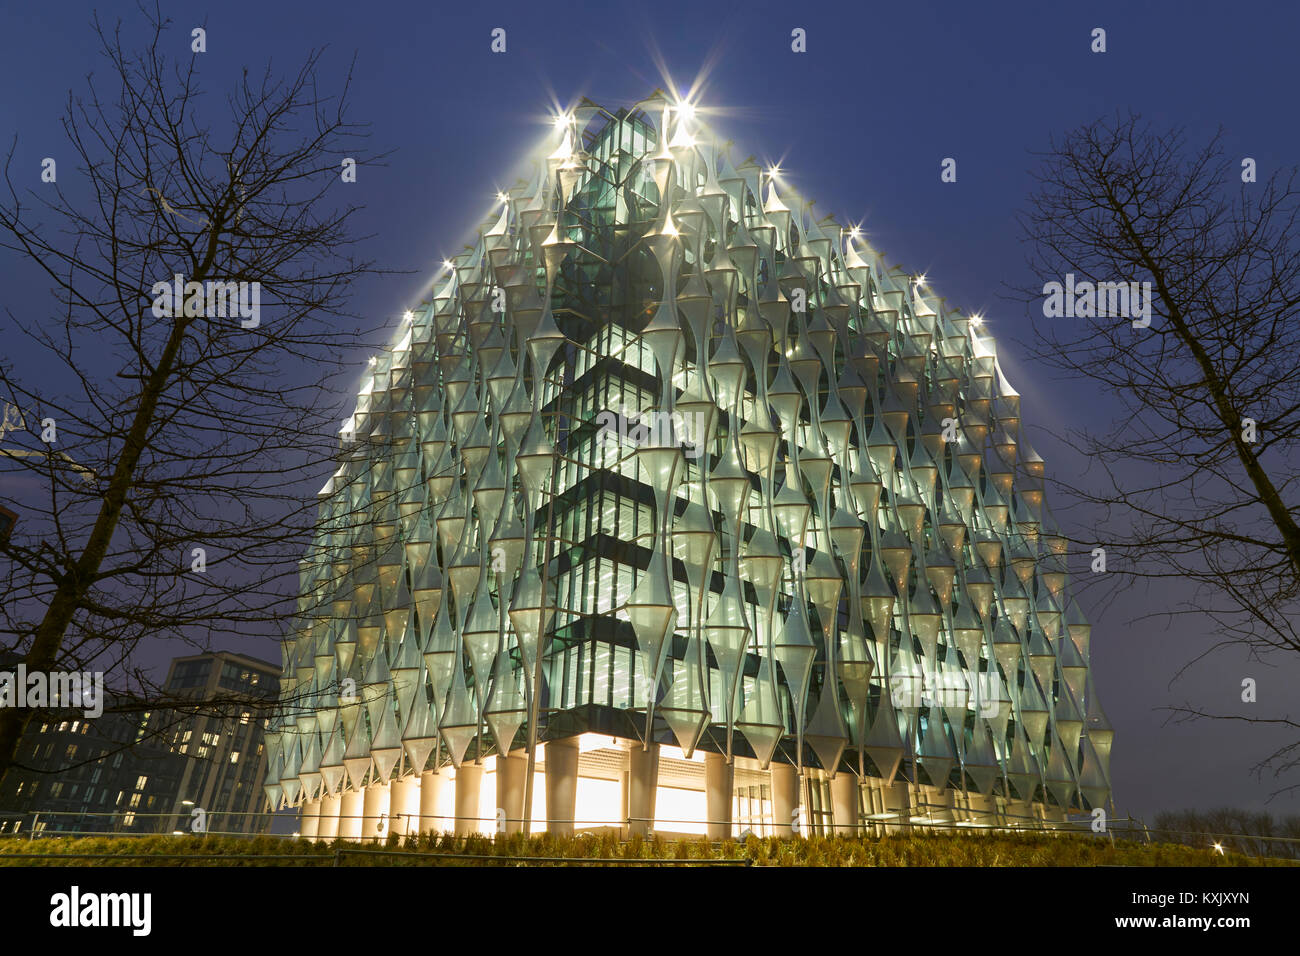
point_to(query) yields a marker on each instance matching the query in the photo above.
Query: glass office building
(672, 508)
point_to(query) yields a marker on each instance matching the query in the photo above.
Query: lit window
(234, 756)
(140, 782)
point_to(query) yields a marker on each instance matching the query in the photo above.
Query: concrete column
(998, 811)
(430, 784)
(561, 785)
(873, 801)
(964, 809)
(898, 801)
(785, 798)
(404, 808)
(328, 827)
(922, 803)
(946, 806)
(642, 782)
(309, 820)
(719, 786)
(350, 812)
(468, 778)
(956, 806)
(844, 803)
(511, 773)
(374, 829)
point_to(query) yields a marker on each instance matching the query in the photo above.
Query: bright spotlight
(561, 120)
(977, 319)
(502, 197)
(686, 110)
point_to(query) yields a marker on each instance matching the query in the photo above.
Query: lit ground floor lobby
(595, 782)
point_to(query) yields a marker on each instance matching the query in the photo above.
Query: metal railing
(377, 828)
(336, 855)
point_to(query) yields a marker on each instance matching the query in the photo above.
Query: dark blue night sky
(861, 122)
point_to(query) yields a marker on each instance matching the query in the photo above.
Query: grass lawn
(942, 849)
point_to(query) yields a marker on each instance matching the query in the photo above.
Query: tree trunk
(73, 586)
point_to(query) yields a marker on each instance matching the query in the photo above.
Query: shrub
(910, 849)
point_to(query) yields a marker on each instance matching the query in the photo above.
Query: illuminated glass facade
(674, 495)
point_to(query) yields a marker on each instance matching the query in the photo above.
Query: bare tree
(1197, 479)
(1255, 834)
(157, 445)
